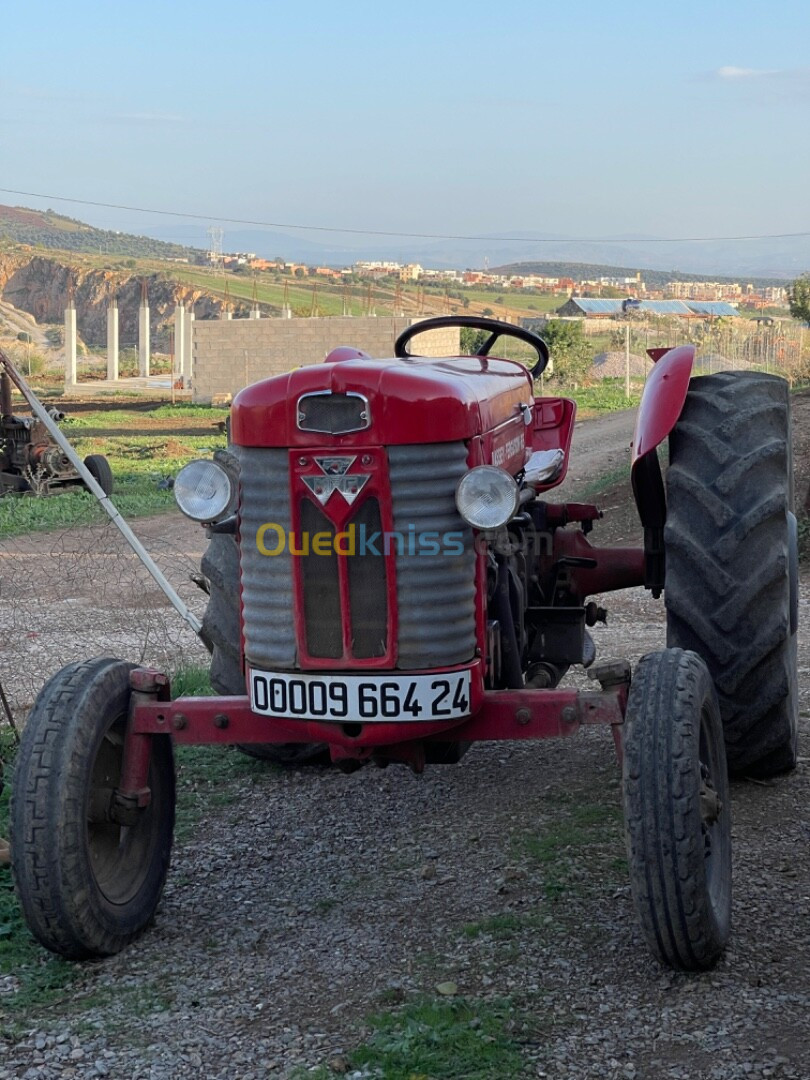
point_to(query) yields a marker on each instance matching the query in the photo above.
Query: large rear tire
(731, 566)
(88, 885)
(677, 813)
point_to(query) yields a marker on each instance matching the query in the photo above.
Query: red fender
(661, 404)
(663, 398)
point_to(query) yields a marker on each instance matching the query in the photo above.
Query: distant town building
(593, 308)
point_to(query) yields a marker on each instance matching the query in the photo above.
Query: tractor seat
(544, 466)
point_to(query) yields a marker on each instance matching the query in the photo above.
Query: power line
(409, 235)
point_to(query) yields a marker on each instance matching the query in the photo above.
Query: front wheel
(677, 810)
(88, 884)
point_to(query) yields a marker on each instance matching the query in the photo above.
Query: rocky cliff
(42, 286)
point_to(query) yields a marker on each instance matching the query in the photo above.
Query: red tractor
(390, 582)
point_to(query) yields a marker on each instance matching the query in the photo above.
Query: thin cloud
(744, 73)
(765, 86)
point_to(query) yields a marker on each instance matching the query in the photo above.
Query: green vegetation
(571, 352)
(140, 461)
(605, 397)
(47, 229)
(799, 298)
(581, 849)
(459, 1039)
(192, 681)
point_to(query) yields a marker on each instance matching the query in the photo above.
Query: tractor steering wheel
(496, 330)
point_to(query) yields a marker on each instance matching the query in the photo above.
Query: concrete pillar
(286, 312)
(188, 365)
(70, 345)
(255, 313)
(226, 314)
(112, 341)
(180, 341)
(143, 340)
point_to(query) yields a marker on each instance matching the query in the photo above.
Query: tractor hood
(418, 400)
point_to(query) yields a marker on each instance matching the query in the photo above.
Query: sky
(449, 117)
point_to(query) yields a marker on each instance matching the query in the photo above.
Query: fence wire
(75, 593)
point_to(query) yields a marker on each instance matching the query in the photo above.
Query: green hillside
(47, 229)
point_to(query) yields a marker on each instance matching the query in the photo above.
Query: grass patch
(462, 1039)
(208, 778)
(501, 927)
(605, 397)
(192, 681)
(605, 481)
(578, 852)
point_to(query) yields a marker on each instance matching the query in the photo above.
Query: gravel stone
(298, 907)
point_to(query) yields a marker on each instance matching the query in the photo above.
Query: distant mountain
(45, 228)
(777, 259)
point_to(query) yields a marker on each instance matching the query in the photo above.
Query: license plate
(361, 698)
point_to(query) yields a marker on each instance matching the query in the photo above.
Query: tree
(471, 340)
(569, 349)
(799, 298)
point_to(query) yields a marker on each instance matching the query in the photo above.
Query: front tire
(87, 885)
(731, 565)
(677, 810)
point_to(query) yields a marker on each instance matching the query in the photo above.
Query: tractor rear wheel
(731, 569)
(677, 810)
(88, 883)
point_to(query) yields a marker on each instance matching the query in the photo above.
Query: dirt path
(300, 903)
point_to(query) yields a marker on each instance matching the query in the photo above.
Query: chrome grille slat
(267, 594)
(423, 483)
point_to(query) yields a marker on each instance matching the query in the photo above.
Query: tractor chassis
(504, 715)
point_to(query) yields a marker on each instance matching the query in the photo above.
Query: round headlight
(203, 490)
(487, 497)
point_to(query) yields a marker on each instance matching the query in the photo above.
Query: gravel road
(300, 903)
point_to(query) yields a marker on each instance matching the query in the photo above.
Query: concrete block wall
(229, 355)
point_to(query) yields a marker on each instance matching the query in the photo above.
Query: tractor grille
(435, 593)
(321, 587)
(368, 595)
(333, 414)
(267, 582)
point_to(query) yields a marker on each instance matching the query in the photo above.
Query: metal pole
(627, 361)
(103, 499)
